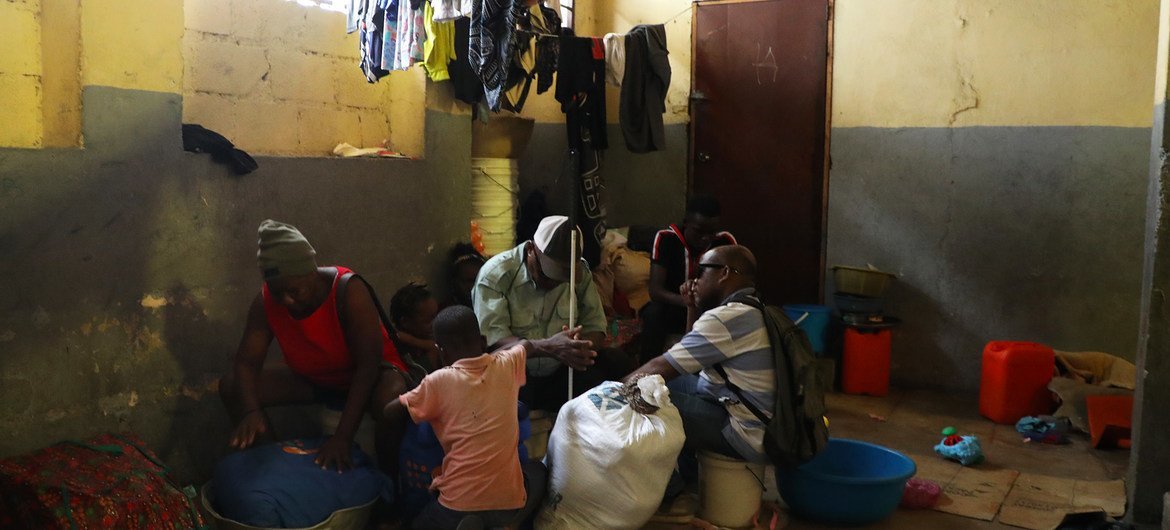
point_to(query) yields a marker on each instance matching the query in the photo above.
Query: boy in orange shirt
(471, 405)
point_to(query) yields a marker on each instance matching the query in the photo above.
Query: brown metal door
(758, 139)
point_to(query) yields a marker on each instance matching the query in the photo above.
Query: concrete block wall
(20, 74)
(280, 78)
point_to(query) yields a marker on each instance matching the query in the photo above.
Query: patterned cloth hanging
(492, 43)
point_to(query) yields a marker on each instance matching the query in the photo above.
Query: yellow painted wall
(940, 63)
(21, 122)
(1161, 94)
(61, 73)
(277, 77)
(134, 44)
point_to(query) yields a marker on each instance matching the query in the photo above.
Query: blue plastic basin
(850, 482)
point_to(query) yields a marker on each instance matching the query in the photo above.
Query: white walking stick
(572, 293)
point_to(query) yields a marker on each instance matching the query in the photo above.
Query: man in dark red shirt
(674, 260)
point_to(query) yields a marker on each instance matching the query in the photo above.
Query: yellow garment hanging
(439, 47)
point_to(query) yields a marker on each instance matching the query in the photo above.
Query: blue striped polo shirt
(734, 335)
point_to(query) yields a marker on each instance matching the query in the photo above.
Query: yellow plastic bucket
(730, 490)
(537, 442)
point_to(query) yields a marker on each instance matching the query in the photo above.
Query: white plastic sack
(609, 465)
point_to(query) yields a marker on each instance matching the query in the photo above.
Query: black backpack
(796, 432)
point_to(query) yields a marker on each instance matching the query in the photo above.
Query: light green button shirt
(508, 303)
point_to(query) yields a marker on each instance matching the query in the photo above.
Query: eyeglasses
(718, 266)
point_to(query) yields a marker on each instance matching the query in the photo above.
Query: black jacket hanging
(581, 87)
(644, 85)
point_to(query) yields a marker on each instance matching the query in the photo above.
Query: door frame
(831, 9)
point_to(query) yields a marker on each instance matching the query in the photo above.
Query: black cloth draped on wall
(581, 92)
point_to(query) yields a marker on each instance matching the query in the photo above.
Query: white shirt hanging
(615, 58)
(451, 9)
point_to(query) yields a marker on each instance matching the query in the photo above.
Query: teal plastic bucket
(814, 320)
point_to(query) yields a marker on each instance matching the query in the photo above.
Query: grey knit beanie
(284, 251)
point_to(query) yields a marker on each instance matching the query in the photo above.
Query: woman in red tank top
(331, 350)
(314, 346)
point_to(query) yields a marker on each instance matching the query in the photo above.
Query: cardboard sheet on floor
(976, 493)
(967, 491)
(1039, 502)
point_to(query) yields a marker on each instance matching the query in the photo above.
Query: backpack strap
(759, 414)
(748, 299)
(342, 284)
(414, 372)
(751, 300)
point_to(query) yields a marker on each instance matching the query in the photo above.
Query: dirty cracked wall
(129, 265)
(993, 154)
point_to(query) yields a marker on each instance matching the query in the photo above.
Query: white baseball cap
(553, 243)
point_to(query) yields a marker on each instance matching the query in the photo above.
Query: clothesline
(540, 34)
(679, 14)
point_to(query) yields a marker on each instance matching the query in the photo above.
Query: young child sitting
(471, 405)
(412, 309)
(463, 264)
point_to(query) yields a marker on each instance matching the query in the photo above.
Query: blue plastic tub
(814, 320)
(850, 482)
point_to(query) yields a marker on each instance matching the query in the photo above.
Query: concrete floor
(912, 426)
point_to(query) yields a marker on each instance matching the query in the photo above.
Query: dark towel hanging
(198, 139)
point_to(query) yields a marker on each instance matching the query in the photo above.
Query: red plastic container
(1015, 381)
(866, 361)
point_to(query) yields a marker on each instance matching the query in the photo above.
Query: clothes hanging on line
(615, 58)
(537, 20)
(492, 44)
(403, 35)
(411, 35)
(389, 33)
(465, 82)
(581, 88)
(547, 51)
(373, 18)
(353, 15)
(439, 46)
(449, 10)
(644, 86)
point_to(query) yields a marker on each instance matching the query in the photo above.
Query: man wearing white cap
(523, 293)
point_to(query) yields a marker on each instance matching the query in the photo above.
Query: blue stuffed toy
(962, 449)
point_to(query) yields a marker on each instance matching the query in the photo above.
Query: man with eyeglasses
(732, 335)
(523, 293)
